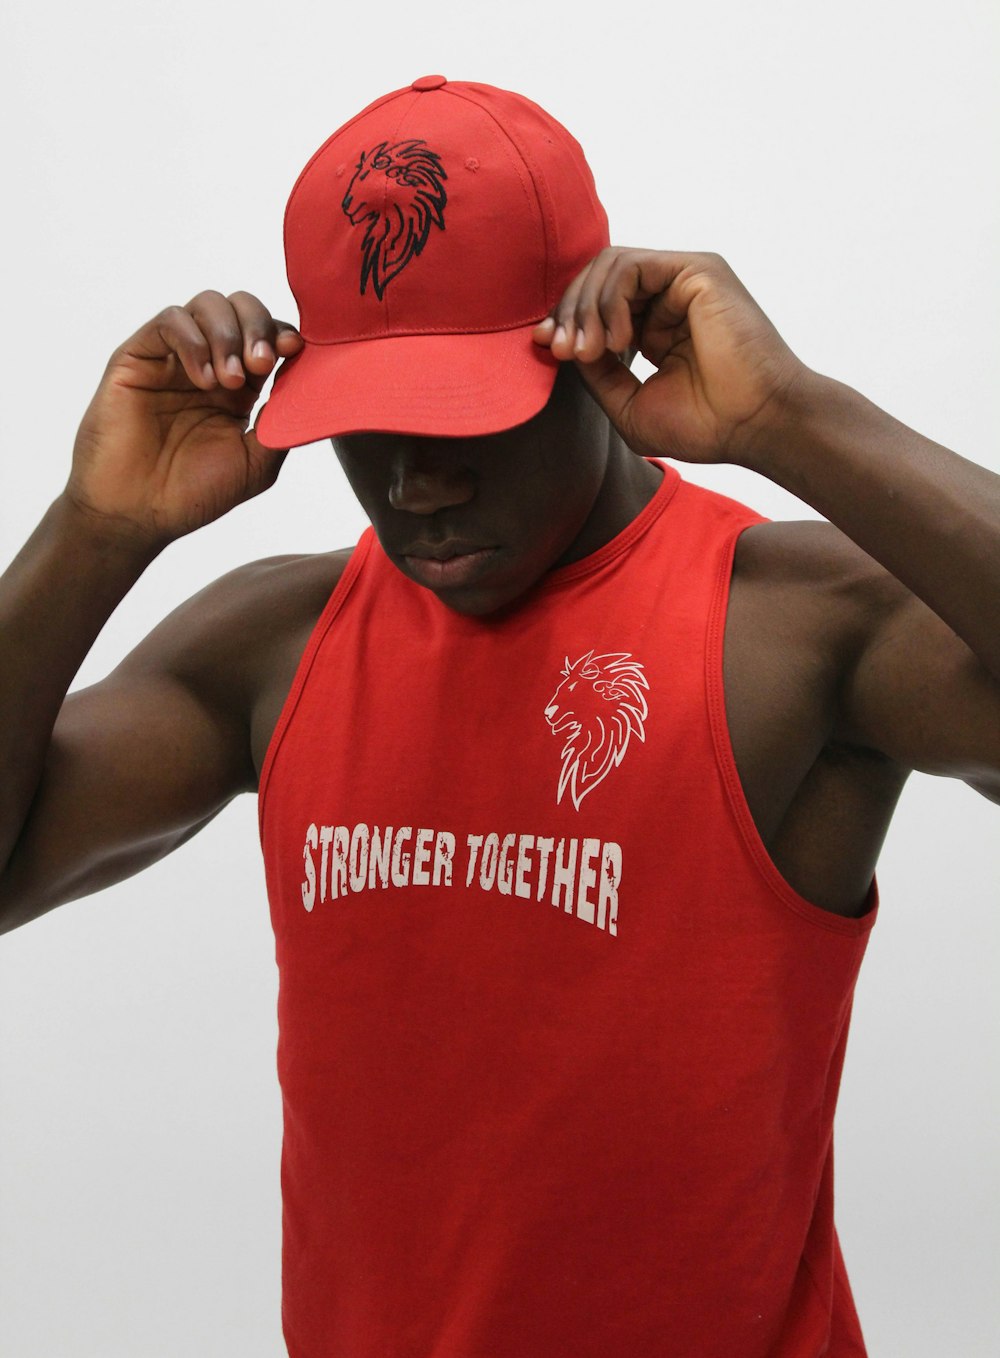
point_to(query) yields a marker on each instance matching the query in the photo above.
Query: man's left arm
(925, 688)
(925, 685)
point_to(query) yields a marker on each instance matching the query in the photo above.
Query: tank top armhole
(726, 762)
(336, 601)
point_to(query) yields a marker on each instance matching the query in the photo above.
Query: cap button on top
(429, 82)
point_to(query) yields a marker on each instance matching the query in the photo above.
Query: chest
(614, 711)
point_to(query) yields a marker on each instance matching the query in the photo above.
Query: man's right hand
(164, 447)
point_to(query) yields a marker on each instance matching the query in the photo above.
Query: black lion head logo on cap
(397, 192)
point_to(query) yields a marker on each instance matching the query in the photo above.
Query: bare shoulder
(807, 550)
(817, 578)
(228, 640)
(149, 755)
(805, 605)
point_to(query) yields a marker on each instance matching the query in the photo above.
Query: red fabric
(590, 1115)
(414, 318)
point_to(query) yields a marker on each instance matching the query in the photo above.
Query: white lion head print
(600, 705)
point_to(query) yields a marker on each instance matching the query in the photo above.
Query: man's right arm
(95, 786)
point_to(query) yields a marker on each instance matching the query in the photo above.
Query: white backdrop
(843, 159)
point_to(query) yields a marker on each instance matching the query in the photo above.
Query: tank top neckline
(590, 565)
(622, 541)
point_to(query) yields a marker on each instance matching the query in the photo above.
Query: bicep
(919, 695)
(137, 764)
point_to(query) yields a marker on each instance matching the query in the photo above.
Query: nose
(425, 485)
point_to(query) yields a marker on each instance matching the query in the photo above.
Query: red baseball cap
(425, 240)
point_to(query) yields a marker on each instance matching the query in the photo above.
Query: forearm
(929, 516)
(55, 598)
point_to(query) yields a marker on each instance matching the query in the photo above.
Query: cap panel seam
(391, 140)
(546, 209)
(577, 160)
(582, 169)
(519, 160)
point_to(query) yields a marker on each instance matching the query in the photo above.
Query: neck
(630, 482)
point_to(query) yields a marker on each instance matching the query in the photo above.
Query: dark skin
(853, 653)
(543, 494)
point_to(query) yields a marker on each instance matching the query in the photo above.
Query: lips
(442, 565)
(443, 551)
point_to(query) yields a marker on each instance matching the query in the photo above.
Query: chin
(481, 601)
(478, 603)
(496, 589)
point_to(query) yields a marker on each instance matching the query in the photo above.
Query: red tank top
(559, 1047)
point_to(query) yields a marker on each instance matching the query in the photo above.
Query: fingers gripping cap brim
(459, 386)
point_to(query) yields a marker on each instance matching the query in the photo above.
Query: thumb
(612, 384)
(266, 462)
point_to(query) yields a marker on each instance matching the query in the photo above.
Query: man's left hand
(724, 378)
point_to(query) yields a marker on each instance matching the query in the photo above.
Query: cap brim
(459, 386)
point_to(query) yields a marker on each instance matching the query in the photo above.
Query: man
(573, 776)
